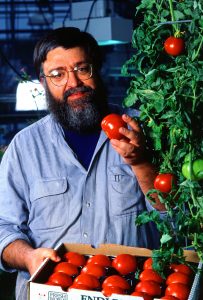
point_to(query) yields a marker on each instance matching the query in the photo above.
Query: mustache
(72, 91)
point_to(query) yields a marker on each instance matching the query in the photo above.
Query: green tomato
(197, 170)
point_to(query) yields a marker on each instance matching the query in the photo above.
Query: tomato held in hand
(75, 258)
(151, 288)
(100, 259)
(111, 124)
(116, 280)
(174, 46)
(178, 277)
(178, 290)
(164, 182)
(124, 263)
(150, 274)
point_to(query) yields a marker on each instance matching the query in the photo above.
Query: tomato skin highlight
(116, 280)
(178, 290)
(150, 274)
(174, 46)
(164, 182)
(182, 268)
(75, 258)
(178, 277)
(149, 287)
(125, 263)
(111, 124)
(60, 278)
(100, 259)
(67, 268)
(109, 290)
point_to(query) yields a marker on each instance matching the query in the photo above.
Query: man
(61, 179)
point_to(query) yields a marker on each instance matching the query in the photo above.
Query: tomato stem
(173, 17)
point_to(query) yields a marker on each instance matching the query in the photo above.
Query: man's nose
(73, 80)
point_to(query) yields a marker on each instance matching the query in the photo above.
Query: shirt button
(85, 234)
(88, 204)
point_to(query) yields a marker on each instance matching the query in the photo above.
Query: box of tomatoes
(112, 272)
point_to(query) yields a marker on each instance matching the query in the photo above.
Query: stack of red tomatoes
(124, 274)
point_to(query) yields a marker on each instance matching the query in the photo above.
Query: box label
(57, 296)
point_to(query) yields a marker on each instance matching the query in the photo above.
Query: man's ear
(41, 80)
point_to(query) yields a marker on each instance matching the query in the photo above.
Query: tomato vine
(168, 91)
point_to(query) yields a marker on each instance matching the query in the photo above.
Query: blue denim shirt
(48, 197)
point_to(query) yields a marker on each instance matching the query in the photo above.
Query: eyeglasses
(59, 77)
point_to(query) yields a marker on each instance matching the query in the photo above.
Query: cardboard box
(39, 291)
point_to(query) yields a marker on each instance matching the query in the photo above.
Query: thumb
(51, 254)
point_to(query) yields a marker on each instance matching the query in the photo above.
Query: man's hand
(132, 146)
(20, 255)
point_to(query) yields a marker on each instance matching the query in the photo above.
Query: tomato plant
(168, 92)
(116, 280)
(151, 288)
(111, 124)
(143, 295)
(165, 182)
(178, 277)
(62, 279)
(67, 268)
(75, 258)
(152, 275)
(178, 290)
(125, 263)
(87, 280)
(174, 46)
(94, 269)
(100, 259)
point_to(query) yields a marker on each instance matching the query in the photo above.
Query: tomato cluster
(118, 275)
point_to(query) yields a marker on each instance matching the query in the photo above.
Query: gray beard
(82, 115)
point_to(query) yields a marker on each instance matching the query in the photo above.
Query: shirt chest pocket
(49, 203)
(124, 192)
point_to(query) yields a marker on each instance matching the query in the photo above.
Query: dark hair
(67, 37)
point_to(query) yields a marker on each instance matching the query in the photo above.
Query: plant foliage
(169, 93)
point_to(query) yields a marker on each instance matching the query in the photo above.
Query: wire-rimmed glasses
(59, 77)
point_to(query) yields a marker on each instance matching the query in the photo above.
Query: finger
(51, 254)
(132, 122)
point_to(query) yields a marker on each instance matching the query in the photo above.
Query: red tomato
(150, 274)
(111, 124)
(93, 269)
(116, 280)
(178, 277)
(149, 287)
(109, 290)
(143, 295)
(88, 280)
(148, 264)
(174, 46)
(125, 263)
(169, 298)
(51, 283)
(74, 258)
(182, 268)
(100, 259)
(61, 279)
(164, 182)
(67, 268)
(178, 290)
(79, 287)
